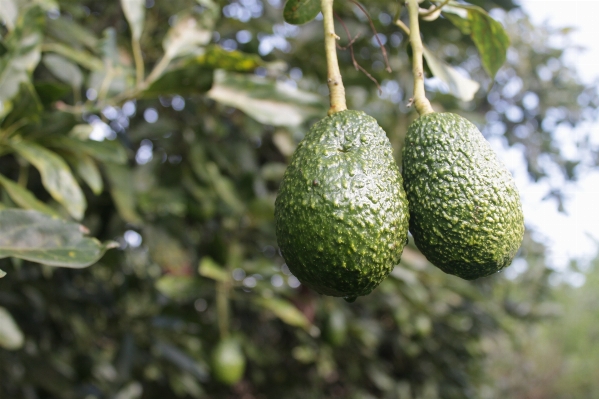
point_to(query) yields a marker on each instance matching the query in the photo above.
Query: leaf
(121, 189)
(8, 13)
(458, 17)
(56, 176)
(87, 169)
(68, 31)
(186, 78)
(180, 288)
(266, 101)
(25, 198)
(210, 269)
(105, 151)
(298, 12)
(83, 58)
(63, 69)
(490, 38)
(217, 57)
(11, 336)
(185, 37)
(459, 85)
(285, 311)
(2, 273)
(135, 12)
(22, 56)
(37, 237)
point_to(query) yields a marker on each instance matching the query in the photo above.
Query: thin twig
(353, 58)
(434, 9)
(376, 35)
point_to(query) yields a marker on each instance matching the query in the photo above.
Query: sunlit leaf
(63, 69)
(8, 13)
(491, 40)
(40, 238)
(299, 12)
(216, 57)
(210, 269)
(458, 17)
(285, 311)
(268, 102)
(135, 12)
(56, 176)
(25, 198)
(459, 85)
(121, 189)
(11, 336)
(185, 37)
(23, 53)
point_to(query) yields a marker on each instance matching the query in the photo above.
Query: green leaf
(25, 198)
(268, 102)
(299, 12)
(122, 191)
(185, 37)
(184, 78)
(68, 31)
(285, 311)
(459, 85)
(135, 12)
(56, 176)
(490, 38)
(217, 57)
(26, 105)
(37, 237)
(22, 56)
(11, 336)
(210, 269)
(458, 17)
(87, 169)
(105, 151)
(83, 58)
(179, 288)
(63, 69)
(2, 273)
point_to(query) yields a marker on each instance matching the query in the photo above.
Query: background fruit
(228, 362)
(465, 211)
(341, 212)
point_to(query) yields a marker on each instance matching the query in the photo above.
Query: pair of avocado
(343, 209)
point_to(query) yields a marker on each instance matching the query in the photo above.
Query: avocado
(341, 212)
(465, 210)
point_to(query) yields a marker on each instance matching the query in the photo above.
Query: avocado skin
(465, 210)
(341, 213)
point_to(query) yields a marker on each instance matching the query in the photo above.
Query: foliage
(149, 151)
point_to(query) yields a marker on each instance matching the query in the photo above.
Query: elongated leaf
(135, 12)
(56, 176)
(25, 198)
(83, 58)
(266, 101)
(298, 12)
(459, 85)
(185, 37)
(285, 311)
(216, 57)
(64, 69)
(105, 151)
(186, 78)
(75, 35)
(123, 194)
(37, 237)
(87, 169)
(210, 269)
(490, 38)
(11, 336)
(23, 53)
(458, 17)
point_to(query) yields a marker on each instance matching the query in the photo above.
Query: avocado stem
(421, 103)
(334, 81)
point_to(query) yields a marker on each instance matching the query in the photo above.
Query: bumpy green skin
(465, 210)
(341, 213)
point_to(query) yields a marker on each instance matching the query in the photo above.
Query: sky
(574, 234)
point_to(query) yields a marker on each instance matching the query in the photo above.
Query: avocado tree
(148, 140)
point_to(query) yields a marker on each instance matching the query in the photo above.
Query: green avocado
(228, 362)
(465, 210)
(341, 213)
